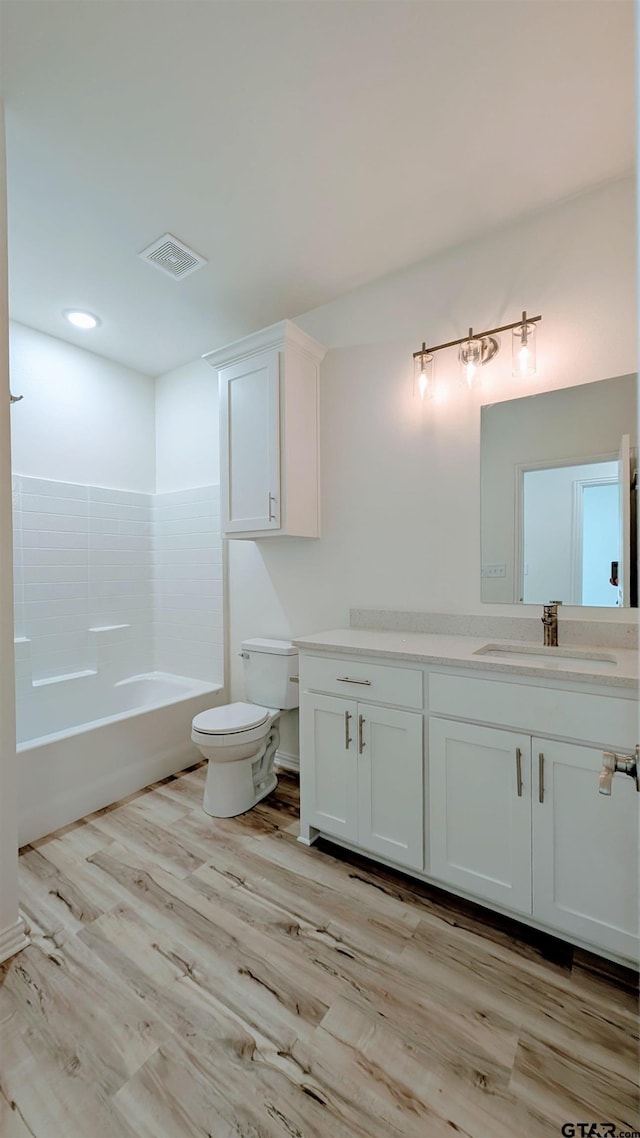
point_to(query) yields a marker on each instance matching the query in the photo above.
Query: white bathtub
(133, 732)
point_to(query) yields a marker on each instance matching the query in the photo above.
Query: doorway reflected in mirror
(558, 496)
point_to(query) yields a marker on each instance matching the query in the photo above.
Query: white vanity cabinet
(516, 817)
(504, 808)
(585, 848)
(480, 811)
(269, 454)
(362, 761)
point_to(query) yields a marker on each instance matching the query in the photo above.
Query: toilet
(240, 739)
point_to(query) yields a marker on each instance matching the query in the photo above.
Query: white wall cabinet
(269, 452)
(512, 815)
(363, 775)
(480, 815)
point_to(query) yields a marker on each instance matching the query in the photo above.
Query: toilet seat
(230, 719)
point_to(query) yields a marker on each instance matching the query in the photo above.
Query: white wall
(400, 482)
(11, 934)
(187, 450)
(83, 419)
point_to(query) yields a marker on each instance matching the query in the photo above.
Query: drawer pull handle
(541, 777)
(519, 771)
(348, 680)
(347, 737)
(361, 742)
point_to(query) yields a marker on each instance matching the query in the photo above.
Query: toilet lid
(230, 718)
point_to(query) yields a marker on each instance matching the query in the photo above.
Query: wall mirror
(558, 496)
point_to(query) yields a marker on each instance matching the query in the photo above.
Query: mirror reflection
(558, 494)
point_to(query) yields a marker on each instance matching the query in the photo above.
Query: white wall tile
(88, 556)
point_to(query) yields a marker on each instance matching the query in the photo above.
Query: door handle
(361, 742)
(347, 737)
(519, 771)
(541, 777)
(272, 498)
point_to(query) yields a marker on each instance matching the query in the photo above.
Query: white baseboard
(13, 939)
(287, 762)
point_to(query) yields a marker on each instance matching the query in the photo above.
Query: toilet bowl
(240, 740)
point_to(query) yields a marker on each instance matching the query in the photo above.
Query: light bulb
(423, 375)
(523, 360)
(470, 374)
(524, 349)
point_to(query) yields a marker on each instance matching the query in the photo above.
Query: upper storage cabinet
(269, 454)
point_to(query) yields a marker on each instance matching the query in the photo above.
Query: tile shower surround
(115, 580)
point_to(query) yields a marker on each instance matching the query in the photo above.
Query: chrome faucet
(549, 619)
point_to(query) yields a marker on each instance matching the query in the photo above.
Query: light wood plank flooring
(192, 977)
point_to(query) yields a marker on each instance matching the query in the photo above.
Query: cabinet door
(390, 796)
(585, 848)
(328, 765)
(250, 444)
(480, 811)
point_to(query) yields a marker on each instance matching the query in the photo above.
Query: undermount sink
(586, 660)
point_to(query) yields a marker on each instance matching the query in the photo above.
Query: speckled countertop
(609, 667)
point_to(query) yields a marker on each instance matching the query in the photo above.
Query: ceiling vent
(172, 257)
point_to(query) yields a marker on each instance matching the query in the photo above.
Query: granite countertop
(610, 667)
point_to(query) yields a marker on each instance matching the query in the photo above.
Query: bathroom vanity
(475, 764)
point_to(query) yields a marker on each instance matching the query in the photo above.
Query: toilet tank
(269, 666)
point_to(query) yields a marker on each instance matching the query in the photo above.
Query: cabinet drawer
(353, 679)
(598, 719)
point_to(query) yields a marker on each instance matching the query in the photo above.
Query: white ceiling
(302, 147)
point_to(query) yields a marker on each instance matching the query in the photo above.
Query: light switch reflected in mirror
(558, 497)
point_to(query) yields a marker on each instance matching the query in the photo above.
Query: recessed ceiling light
(80, 319)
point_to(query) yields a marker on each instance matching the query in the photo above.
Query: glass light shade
(470, 356)
(523, 349)
(423, 381)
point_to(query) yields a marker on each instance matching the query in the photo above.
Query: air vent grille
(172, 257)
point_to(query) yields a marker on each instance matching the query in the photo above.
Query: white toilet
(241, 739)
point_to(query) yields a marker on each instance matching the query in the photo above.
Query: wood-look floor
(191, 977)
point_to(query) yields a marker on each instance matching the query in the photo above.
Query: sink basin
(584, 659)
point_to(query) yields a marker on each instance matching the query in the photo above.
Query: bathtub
(133, 732)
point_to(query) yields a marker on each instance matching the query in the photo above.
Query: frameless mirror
(558, 496)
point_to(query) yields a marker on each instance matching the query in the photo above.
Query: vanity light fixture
(80, 319)
(477, 349)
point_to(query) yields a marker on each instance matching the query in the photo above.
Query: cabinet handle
(541, 777)
(347, 737)
(361, 742)
(272, 498)
(347, 680)
(519, 771)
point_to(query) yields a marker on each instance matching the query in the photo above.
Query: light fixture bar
(478, 335)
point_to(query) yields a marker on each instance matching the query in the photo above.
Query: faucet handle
(622, 764)
(607, 771)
